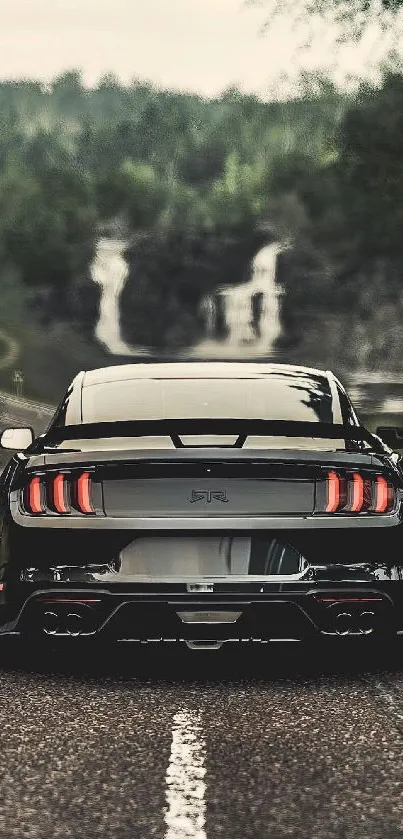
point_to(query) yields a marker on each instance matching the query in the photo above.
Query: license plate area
(213, 621)
(208, 617)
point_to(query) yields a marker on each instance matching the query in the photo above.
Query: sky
(199, 45)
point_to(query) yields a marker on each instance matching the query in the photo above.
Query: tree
(370, 170)
(134, 189)
(68, 93)
(47, 226)
(235, 201)
(351, 16)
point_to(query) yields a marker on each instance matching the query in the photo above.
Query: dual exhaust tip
(72, 622)
(361, 623)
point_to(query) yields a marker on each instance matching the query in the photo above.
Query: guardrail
(21, 401)
(19, 411)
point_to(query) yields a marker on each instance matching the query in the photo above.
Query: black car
(202, 503)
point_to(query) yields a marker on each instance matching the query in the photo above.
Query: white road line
(185, 815)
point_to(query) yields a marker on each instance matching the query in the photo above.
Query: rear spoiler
(242, 428)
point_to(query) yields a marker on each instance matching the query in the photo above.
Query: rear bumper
(179, 523)
(210, 618)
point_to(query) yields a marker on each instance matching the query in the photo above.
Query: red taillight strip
(59, 494)
(35, 502)
(66, 600)
(357, 497)
(368, 495)
(381, 495)
(355, 493)
(84, 502)
(333, 492)
(348, 599)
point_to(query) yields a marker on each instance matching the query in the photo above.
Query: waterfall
(251, 311)
(110, 270)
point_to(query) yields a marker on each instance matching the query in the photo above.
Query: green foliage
(324, 169)
(47, 224)
(235, 199)
(352, 17)
(370, 168)
(135, 190)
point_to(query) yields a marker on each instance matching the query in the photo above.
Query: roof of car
(196, 370)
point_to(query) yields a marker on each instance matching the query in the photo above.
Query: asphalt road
(123, 744)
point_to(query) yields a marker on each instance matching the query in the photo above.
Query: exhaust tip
(74, 624)
(50, 623)
(343, 623)
(58, 618)
(367, 622)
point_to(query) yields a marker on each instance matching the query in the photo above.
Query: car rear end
(204, 545)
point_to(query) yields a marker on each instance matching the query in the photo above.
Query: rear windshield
(301, 398)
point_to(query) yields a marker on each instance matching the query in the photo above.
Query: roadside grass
(49, 358)
(3, 347)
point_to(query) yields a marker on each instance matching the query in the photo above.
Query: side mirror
(393, 437)
(17, 439)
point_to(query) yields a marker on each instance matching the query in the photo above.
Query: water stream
(249, 313)
(110, 271)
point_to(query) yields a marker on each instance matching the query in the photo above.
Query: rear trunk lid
(208, 482)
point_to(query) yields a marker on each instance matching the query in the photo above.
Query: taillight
(332, 492)
(356, 487)
(384, 495)
(34, 500)
(61, 493)
(84, 502)
(352, 492)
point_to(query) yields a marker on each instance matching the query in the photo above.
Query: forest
(321, 171)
